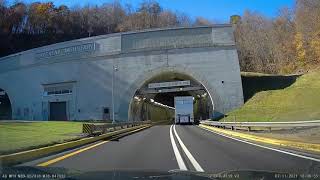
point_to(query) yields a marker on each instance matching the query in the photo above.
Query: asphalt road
(186, 147)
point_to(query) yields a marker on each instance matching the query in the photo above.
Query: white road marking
(193, 161)
(274, 149)
(179, 159)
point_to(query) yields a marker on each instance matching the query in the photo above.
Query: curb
(283, 143)
(16, 158)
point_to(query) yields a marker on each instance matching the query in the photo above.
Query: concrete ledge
(283, 143)
(29, 155)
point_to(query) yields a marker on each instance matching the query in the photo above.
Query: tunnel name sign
(169, 84)
(88, 47)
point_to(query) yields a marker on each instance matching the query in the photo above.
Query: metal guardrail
(268, 125)
(97, 129)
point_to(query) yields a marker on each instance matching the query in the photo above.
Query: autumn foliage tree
(287, 43)
(24, 26)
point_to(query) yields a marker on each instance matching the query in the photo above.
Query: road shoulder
(303, 148)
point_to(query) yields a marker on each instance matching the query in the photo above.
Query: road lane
(216, 153)
(149, 149)
(177, 154)
(153, 149)
(186, 151)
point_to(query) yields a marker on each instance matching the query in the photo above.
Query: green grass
(298, 101)
(18, 136)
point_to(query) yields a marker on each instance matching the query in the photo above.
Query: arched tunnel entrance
(155, 99)
(5, 106)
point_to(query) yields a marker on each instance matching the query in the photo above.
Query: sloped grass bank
(296, 102)
(18, 136)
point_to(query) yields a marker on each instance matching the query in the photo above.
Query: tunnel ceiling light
(162, 105)
(137, 98)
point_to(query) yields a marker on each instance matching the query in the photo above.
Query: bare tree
(200, 21)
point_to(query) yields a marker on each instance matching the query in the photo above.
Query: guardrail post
(249, 129)
(91, 128)
(103, 130)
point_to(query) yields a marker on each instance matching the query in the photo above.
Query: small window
(57, 92)
(57, 89)
(65, 92)
(106, 110)
(50, 92)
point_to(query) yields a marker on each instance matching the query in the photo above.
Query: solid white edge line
(278, 150)
(179, 159)
(193, 161)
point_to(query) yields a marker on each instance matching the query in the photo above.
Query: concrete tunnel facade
(74, 78)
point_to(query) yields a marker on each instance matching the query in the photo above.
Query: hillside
(279, 98)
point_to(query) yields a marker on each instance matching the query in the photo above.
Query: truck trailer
(183, 110)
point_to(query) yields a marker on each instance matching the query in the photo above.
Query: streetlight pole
(114, 68)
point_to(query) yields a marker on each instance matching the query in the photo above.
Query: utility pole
(114, 68)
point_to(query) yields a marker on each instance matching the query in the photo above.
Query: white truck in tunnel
(183, 109)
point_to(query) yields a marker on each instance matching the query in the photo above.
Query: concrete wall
(208, 54)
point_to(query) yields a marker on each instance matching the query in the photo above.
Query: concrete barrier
(97, 129)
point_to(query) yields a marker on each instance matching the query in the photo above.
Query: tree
(200, 21)
(283, 29)
(254, 43)
(149, 12)
(61, 20)
(16, 14)
(234, 19)
(40, 17)
(308, 29)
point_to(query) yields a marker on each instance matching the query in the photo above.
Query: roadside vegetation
(297, 102)
(19, 136)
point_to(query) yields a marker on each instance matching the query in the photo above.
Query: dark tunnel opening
(157, 103)
(5, 106)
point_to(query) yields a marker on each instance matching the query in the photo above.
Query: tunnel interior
(5, 106)
(157, 103)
